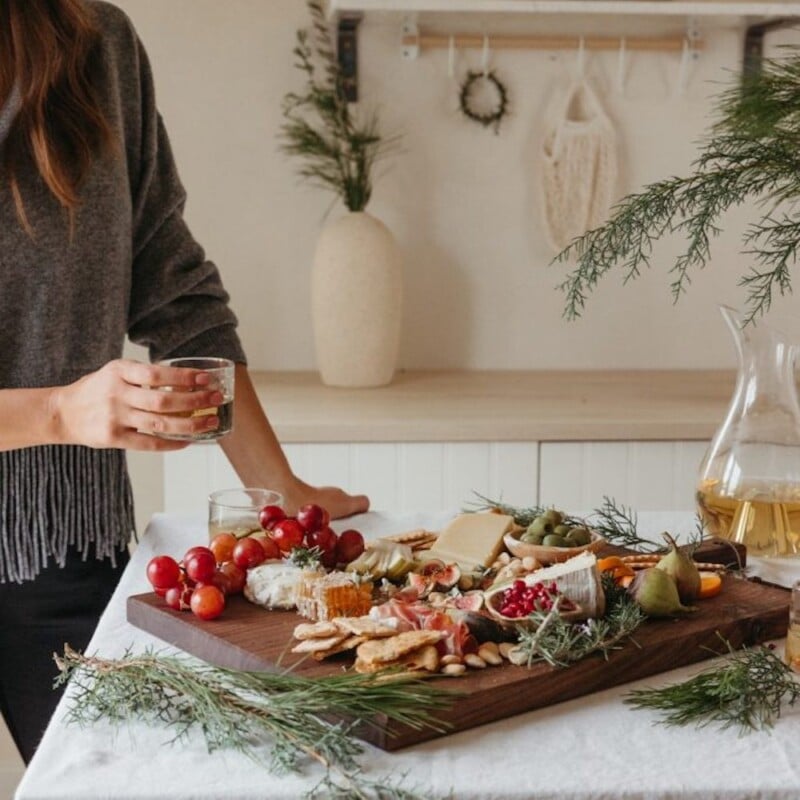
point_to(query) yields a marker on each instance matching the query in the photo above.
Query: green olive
(532, 538)
(540, 525)
(580, 536)
(562, 530)
(554, 540)
(555, 517)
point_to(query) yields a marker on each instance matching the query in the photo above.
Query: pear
(657, 595)
(682, 569)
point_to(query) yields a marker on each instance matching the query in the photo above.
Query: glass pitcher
(749, 488)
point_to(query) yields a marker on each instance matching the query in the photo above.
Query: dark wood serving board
(251, 638)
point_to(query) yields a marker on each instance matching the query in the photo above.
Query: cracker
(313, 645)
(422, 659)
(348, 643)
(382, 651)
(365, 626)
(316, 630)
(417, 537)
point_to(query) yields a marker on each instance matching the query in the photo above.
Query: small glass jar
(793, 634)
(236, 510)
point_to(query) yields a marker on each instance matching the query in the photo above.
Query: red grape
(248, 553)
(200, 564)
(311, 517)
(207, 602)
(288, 534)
(163, 572)
(236, 577)
(271, 549)
(269, 515)
(324, 538)
(222, 547)
(349, 547)
(178, 597)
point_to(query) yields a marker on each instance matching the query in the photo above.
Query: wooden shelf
(473, 406)
(635, 7)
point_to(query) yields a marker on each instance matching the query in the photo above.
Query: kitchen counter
(453, 406)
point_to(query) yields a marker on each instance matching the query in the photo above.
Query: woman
(93, 246)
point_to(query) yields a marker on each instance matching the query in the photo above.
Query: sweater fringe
(57, 497)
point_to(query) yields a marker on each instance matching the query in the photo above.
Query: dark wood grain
(248, 637)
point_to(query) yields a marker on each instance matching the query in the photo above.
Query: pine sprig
(240, 710)
(750, 153)
(747, 691)
(338, 149)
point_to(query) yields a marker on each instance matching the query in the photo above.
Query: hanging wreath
(467, 99)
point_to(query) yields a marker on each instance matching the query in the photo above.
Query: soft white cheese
(273, 584)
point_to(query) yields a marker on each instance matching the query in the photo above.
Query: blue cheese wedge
(471, 540)
(273, 584)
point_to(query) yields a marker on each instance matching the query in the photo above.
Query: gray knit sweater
(131, 268)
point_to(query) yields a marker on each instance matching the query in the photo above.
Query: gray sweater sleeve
(178, 306)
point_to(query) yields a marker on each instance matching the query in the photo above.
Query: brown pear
(682, 569)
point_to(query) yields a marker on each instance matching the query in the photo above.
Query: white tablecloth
(592, 747)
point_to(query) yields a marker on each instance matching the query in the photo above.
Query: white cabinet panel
(397, 476)
(648, 476)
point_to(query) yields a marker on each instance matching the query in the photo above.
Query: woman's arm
(119, 405)
(256, 455)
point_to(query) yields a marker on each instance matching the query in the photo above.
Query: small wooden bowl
(548, 555)
(492, 602)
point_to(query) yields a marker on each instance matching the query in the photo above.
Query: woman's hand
(123, 403)
(335, 501)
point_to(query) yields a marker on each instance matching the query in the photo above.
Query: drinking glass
(222, 373)
(236, 510)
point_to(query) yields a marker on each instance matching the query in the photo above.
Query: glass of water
(222, 372)
(236, 510)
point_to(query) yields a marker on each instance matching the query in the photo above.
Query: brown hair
(48, 49)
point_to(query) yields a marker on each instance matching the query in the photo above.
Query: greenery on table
(238, 710)
(751, 152)
(561, 643)
(337, 147)
(747, 691)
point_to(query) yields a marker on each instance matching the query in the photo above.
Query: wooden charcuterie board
(249, 637)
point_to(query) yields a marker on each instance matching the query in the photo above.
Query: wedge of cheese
(471, 540)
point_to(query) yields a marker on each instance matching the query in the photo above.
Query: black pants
(36, 619)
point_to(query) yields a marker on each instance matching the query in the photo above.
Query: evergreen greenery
(751, 153)
(338, 149)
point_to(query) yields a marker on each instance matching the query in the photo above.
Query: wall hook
(622, 65)
(485, 56)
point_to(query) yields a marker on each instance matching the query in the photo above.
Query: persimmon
(710, 584)
(609, 563)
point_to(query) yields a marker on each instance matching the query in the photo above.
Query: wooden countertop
(447, 406)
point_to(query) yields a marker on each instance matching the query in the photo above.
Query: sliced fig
(469, 601)
(432, 566)
(447, 577)
(422, 584)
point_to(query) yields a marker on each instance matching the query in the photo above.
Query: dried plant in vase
(338, 147)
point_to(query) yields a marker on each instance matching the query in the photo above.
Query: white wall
(460, 199)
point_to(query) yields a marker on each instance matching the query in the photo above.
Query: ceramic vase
(356, 302)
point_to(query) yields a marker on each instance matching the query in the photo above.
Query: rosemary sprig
(238, 710)
(749, 153)
(747, 691)
(561, 643)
